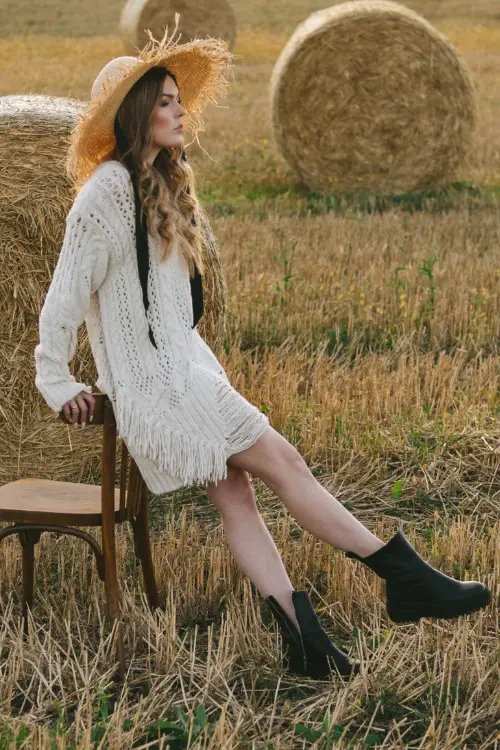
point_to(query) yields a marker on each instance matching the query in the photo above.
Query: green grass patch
(298, 200)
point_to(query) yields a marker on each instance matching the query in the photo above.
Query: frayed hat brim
(203, 69)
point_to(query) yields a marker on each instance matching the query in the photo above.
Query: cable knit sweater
(174, 406)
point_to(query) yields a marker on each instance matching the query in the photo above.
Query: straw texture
(35, 196)
(214, 18)
(368, 95)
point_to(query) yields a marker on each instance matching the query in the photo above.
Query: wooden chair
(38, 505)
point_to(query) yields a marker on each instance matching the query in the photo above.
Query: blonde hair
(167, 187)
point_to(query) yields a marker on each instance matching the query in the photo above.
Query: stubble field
(369, 331)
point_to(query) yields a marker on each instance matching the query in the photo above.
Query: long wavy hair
(167, 187)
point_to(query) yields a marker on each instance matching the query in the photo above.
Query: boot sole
(412, 614)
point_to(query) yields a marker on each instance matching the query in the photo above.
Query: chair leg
(28, 540)
(142, 546)
(111, 586)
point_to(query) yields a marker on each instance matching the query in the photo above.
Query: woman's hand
(79, 405)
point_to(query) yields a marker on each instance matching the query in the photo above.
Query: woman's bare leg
(274, 460)
(249, 539)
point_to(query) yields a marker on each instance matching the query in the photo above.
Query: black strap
(196, 282)
(196, 295)
(141, 235)
(141, 241)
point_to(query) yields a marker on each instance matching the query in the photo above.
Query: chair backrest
(133, 491)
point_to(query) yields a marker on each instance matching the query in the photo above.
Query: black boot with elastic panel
(415, 589)
(309, 652)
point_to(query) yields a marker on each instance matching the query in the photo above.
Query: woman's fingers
(82, 405)
(91, 401)
(75, 411)
(86, 404)
(80, 409)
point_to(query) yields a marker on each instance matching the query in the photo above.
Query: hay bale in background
(35, 197)
(368, 95)
(197, 19)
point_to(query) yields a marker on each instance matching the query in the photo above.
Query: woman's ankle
(366, 546)
(284, 599)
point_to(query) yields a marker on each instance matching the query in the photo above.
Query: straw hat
(202, 68)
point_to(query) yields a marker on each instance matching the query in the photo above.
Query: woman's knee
(233, 494)
(271, 458)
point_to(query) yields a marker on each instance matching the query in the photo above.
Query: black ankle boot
(415, 589)
(309, 652)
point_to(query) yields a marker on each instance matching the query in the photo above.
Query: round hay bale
(35, 197)
(369, 96)
(197, 20)
(34, 132)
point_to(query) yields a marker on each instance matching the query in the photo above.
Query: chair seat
(48, 501)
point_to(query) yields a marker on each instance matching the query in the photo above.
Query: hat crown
(112, 72)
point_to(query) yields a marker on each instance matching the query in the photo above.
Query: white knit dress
(174, 406)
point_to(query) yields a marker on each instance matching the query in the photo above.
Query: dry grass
(372, 338)
(431, 685)
(73, 18)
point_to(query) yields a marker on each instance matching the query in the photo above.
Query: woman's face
(167, 117)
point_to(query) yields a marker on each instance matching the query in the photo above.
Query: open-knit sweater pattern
(174, 406)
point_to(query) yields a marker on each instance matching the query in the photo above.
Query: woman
(131, 250)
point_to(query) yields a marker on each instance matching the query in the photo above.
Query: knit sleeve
(80, 270)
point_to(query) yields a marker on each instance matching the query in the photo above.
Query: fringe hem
(190, 458)
(242, 433)
(193, 461)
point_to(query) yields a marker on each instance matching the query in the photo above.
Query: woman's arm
(80, 270)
